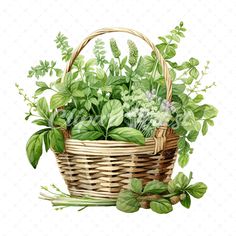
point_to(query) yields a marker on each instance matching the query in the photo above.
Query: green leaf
(149, 63)
(59, 99)
(187, 201)
(60, 122)
(194, 73)
(46, 141)
(197, 190)
(210, 112)
(204, 127)
(86, 130)
(127, 202)
(198, 98)
(155, 187)
(127, 134)
(171, 186)
(40, 122)
(192, 136)
(112, 114)
(42, 108)
(210, 122)
(161, 206)
(56, 140)
(193, 61)
(34, 148)
(136, 185)
(183, 159)
(88, 105)
(181, 181)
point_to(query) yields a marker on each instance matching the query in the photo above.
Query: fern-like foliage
(99, 52)
(62, 43)
(44, 67)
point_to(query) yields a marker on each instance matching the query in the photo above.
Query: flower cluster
(146, 111)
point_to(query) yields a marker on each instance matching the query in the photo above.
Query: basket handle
(162, 61)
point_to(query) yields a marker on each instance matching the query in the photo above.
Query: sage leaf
(112, 114)
(86, 130)
(187, 201)
(127, 202)
(136, 185)
(42, 108)
(127, 134)
(161, 206)
(197, 190)
(56, 140)
(155, 187)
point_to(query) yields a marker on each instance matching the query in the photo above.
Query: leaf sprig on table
(158, 196)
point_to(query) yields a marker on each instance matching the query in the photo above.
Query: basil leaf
(46, 141)
(34, 148)
(197, 190)
(161, 206)
(198, 98)
(171, 186)
(56, 140)
(187, 201)
(127, 202)
(59, 99)
(60, 122)
(183, 159)
(86, 130)
(210, 112)
(40, 122)
(127, 134)
(155, 187)
(136, 185)
(112, 114)
(192, 136)
(181, 180)
(42, 108)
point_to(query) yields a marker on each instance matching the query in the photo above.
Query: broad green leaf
(46, 141)
(187, 201)
(193, 61)
(161, 206)
(155, 187)
(210, 112)
(192, 136)
(183, 160)
(210, 122)
(204, 127)
(34, 148)
(127, 134)
(112, 114)
(149, 63)
(198, 98)
(40, 122)
(171, 186)
(194, 73)
(60, 122)
(88, 105)
(127, 202)
(181, 180)
(42, 108)
(59, 99)
(197, 190)
(86, 130)
(136, 185)
(56, 140)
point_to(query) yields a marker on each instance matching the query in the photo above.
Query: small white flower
(99, 91)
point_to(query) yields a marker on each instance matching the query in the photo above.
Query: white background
(28, 29)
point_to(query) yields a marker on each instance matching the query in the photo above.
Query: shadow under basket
(101, 168)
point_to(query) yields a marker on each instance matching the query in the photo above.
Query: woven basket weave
(101, 168)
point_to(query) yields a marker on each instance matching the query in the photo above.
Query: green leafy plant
(118, 98)
(158, 196)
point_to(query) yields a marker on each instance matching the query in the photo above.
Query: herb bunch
(121, 98)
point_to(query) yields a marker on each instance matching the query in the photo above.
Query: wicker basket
(101, 168)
